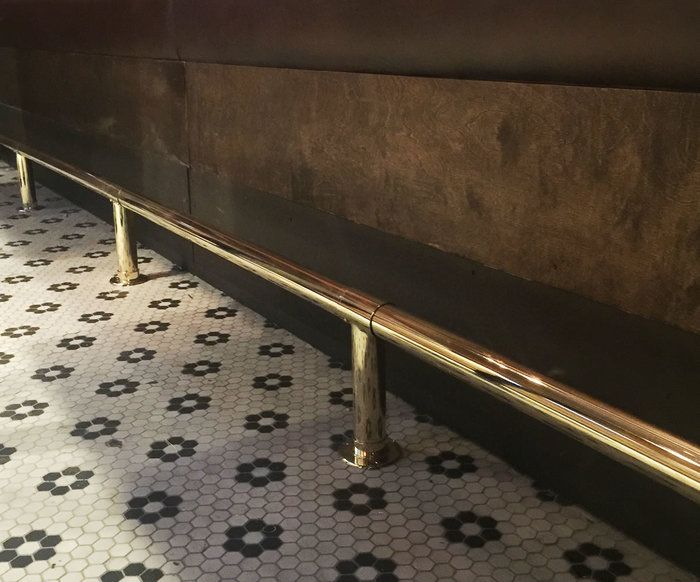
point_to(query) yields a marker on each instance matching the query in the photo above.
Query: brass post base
(117, 280)
(28, 209)
(27, 189)
(387, 455)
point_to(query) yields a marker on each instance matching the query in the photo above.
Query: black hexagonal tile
(69, 479)
(188, 403)
(153, 507)
(470, 529)
(93, 429)
(253, 538)
(261, 472)
(450, 464)
(359, 499)
(172, 449)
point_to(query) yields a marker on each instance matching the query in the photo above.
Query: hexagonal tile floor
(165, 432)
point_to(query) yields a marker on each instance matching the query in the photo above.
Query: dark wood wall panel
(123, 119)
(638, 43)
(9, 77)
(136, 103)
(114, 27)
(633, 43)
(590, 190)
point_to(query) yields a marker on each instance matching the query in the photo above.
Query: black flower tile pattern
(338, 440)
(5, 453)
(15, 279)
(341, 397)
(201, 368)
(355, 570)
(188, 403)
(163, 304)
(53, 373)
(258, 500)
(470, 529)
(35, 546)
(65, 481)
(152, 327)
(253, 538)
(46, 307)
(220, 312)
(96, 317)
(38, 263)
(153, 507)
(212, 338)
(19, 331)
(272, 382)
(5, 358)
(261, 472)
(56, 249)
(184, 284)
(359, 499)
(450, 464)
(136, 355)
(117, 387)
(18, 243)
(61, 287)
(96, 254)
(112, 295)
(172, 449)
(275, 350)
(80, 269)
(590, 561)
(76, 342)
(266, 421)
(93, 429)
(25, 409)
(133, 571)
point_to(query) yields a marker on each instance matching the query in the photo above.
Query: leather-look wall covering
(595, 191)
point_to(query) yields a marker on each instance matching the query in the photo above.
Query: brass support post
(370, 447)
(128, 270)
(26, 184)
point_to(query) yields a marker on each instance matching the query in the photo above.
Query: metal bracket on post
(128, 270)
(27, 190)
(370, 447)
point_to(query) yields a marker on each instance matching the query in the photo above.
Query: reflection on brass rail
(669, 459)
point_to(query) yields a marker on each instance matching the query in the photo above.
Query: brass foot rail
(661, 455)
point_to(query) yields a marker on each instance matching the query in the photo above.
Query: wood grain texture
(134, 103)
(626, 43)
(114, 27)
(596, 191)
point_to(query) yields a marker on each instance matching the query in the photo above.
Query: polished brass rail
(659, 454)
